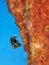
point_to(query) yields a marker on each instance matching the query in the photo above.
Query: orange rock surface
(32, 17)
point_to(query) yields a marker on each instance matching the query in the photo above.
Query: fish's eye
(47, 28)
(42, 57)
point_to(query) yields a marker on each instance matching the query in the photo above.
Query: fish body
(33, 20)
(14, 42)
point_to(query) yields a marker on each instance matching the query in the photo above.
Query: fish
(32, 17)
(14, 42)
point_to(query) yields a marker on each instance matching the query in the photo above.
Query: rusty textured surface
(33, 20)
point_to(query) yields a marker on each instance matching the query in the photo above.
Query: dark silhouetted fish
(14, 42)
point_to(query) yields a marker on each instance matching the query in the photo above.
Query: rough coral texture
(33, 20)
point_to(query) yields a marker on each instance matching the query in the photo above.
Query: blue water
(8, 28)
